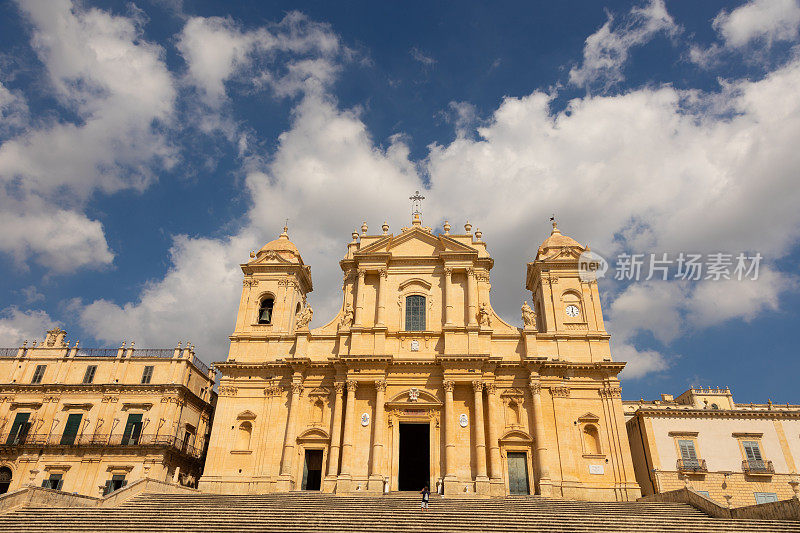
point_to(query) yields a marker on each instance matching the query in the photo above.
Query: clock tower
(566, 299)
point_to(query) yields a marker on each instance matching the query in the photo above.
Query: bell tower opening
(415, 455)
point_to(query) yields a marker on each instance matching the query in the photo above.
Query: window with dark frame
(71, 429)
(415, 313)
(19, 429)
(55, 482)
(38, 374)
(147, 374)
(688, 454)
(88, 377)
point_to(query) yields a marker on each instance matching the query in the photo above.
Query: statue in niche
(484, 317)
(347, 318)
(528, 315)
(304, 316)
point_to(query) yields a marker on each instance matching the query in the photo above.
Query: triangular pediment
(416, 242)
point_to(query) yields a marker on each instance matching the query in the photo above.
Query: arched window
(265, 310)
(415, 313)
(591, 439)
(243, 438)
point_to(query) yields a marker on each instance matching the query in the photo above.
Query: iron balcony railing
(98, 440)
(8, 352)
(96, 352)
(164, 353)
(200, 365)
(757, 466)
(692, 465)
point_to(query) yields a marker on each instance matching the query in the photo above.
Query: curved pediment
(314, 435)
(415, 396)
(516, 436)
(415, 281)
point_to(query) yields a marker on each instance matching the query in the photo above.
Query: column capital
(448, 385)
(491, 388)
(352, 385)
(380, 384)
(448, 271)
(383, 272)
(477, 385)
(338, 387)
(535, 386)
(361, 273)
(296, 388)
(470, 271)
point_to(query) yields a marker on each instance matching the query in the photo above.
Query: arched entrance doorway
(5, 479)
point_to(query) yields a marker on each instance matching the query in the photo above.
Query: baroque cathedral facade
(417, 381)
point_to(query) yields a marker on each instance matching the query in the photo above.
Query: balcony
(757, 467)
(692, 465)
(96, 441)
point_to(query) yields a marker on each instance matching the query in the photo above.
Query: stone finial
(468, 228)
(132, 343)
(123, 344)
(355, 235)
(385, 227)
(364, 228)
(478, 233)
(252, 254)
(446, 228)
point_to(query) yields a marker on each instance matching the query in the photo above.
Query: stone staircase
(315, 512)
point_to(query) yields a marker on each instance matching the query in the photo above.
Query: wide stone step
(314, 512)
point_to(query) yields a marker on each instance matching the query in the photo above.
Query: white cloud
(101, 70)
(759, 20)
(17, 326)
(607, 50)
(217, 50)
(653, 169)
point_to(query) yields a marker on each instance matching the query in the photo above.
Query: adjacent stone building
(417, 381)
(737, 454)
(92, 420)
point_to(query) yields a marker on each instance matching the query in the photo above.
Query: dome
(558, 240)
(281, 244)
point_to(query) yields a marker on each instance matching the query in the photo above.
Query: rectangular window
(753, 454)
(765, 497)
(71, 429)
(19, 429)
(415, 313)
(116, 482)
(688, 454)
(88, 377)
(38, 374)
(55, 481)
(133, 429)
(147, 375)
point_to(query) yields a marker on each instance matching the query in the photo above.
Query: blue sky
(147, 147)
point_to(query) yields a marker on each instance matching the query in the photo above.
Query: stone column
(481, 479)
(360, 298)
(287, 461)
(336, 430)
(538, 435)
(347, 439)
(381, 319)
(448, 296)
(472, 304)
(494, 440)
(376, 472)
(449, 432)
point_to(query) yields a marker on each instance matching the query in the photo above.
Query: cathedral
(417, 381)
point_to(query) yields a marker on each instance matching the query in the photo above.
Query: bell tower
(564, 290)
(275, 285)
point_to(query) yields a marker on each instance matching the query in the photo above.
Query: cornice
(715, 413)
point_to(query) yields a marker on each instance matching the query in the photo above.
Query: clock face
(572, 310)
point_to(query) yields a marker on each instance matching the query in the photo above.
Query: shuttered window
(71, 429)
(688, 453)
(133, 428)
(19, 429)
(147, 375)
(38, 374)
(88, 377)
(765, 497)
(751, 450)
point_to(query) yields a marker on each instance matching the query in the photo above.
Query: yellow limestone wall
(548, 389)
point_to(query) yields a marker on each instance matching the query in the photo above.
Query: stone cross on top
(416, 207)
